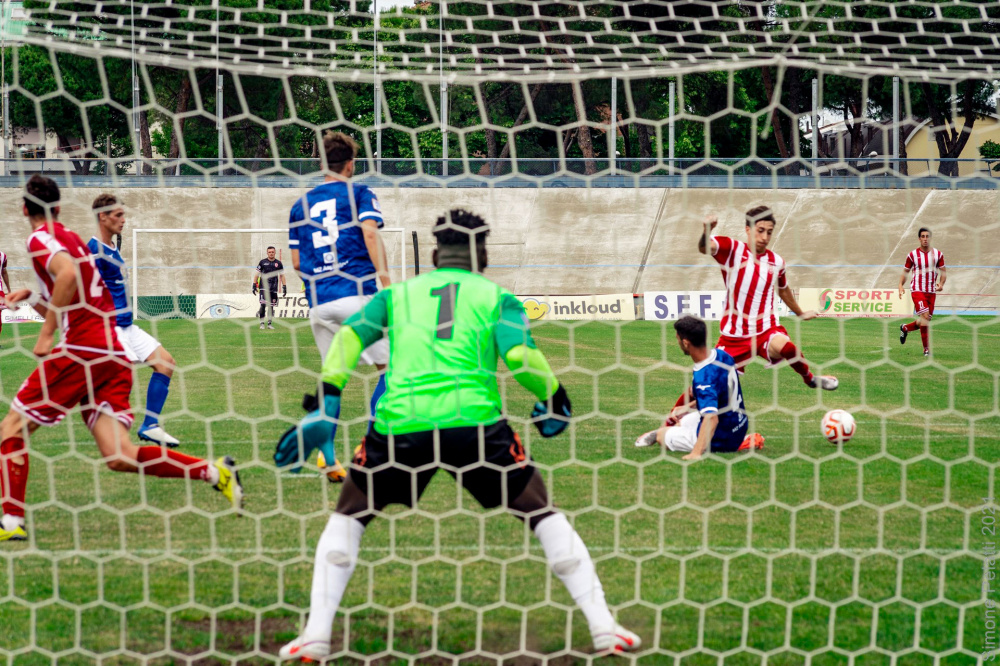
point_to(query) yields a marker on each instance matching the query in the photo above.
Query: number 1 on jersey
(446, 309)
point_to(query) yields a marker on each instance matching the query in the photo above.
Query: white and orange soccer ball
(838, 426)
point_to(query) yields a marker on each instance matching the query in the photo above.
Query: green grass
(804, 553)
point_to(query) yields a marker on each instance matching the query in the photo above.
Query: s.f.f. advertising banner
(23, 314)
(619, 307)
(837, 302)
(246, 306)
(669, 305)
(707, 305)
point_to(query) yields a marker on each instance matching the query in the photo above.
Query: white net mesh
(877, 551)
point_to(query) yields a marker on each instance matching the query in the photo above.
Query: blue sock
(156, 395)
(376, 394)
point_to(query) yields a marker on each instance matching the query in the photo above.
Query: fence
(528, 167)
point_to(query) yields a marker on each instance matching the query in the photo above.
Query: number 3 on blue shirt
(331, 231)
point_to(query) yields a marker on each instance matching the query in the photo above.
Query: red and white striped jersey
(925, 267)
(751, 282)
(3, 264)
(88, 322)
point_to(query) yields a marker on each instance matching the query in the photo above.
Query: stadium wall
(566, 241)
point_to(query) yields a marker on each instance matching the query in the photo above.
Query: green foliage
(990, 150)
(724, 114)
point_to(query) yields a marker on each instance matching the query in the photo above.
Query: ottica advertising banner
(246, 306)
(844, 302)
(617, 307)
(22, 315)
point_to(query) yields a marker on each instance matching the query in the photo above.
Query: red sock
(924, 332)
(791, 354)
(170, 464)
(912, 326)
(13, 478)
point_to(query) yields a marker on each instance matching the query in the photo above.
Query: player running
(929, 275)
(720, 421)
(443, 408)
(753, 274)
(337, 251)
(87, 367)
(268, 285)
(139, 346)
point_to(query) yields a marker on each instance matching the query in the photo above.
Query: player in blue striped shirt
(140, 346)
(714, 415)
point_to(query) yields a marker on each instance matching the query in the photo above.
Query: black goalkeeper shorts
(268, 297)
(489, 462)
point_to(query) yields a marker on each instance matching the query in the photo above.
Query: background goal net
(594, 137)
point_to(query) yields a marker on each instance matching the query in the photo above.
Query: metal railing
(527, 167)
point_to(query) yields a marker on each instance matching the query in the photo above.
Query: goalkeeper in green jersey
(442, 408)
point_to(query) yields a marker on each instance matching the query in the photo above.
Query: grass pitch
(803, 553)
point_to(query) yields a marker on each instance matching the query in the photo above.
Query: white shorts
(327, 318)
(139, 345)
(683, 436)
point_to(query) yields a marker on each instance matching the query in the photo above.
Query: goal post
(205, 278)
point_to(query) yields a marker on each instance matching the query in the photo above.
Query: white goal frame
(134, 280)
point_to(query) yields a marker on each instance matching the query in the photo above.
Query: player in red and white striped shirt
(753, 275)
(750, 327)
(929, 275)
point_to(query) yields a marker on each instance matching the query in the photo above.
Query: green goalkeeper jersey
(446, 331)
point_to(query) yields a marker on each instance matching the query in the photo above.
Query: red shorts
(923, 302)
(62, 382)
(744, 349)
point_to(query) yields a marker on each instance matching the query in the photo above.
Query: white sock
(570, 560)
(336, 557)
(10, 523)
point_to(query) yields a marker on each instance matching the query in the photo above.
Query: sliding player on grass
(442, 407)
(749, 326)
(88, 367)
(720, 420)
(338, 252)
(140, 346)
(929, 275)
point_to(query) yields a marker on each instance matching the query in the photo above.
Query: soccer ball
(838, 426)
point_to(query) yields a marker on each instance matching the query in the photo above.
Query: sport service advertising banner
(837, 302)
(706, 305)
(617, 307)
(246, 306)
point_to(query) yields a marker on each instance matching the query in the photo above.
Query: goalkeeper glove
(315, 430)
(284, 290)
(551, 423)
(254, 288)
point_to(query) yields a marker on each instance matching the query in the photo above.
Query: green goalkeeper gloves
(314, 431)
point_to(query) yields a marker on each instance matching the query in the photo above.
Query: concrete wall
(565, 241)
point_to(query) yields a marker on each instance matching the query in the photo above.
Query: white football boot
(155, 433)
(306, 649)
(648, 439)
(618, 639)
(825, 382)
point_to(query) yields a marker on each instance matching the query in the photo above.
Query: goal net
(594, 137)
